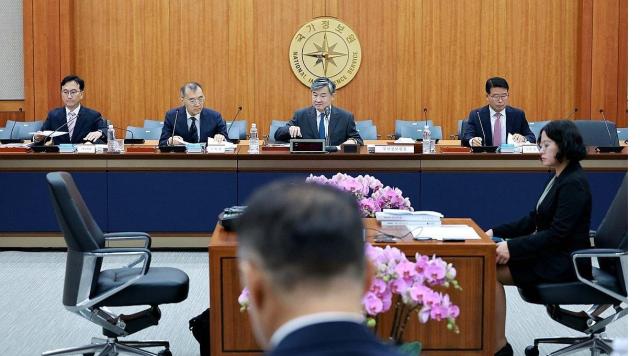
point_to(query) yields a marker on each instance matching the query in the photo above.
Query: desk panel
(168, 201)
(26, 203)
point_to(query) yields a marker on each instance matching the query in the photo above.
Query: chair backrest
(403, 123)
(613, 230)
(144, 133)
(536, 126)
(623, 133)
(415, 132)
(594, 133)
(368, 132)
(81, 234)
(7, 130)
(461, 124)
(25, 130)
(272, 132)
(238, 131)
(363, 123)
(150, 124)
(4, 132)
(279, 123)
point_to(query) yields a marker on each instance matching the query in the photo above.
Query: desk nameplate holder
(86, 148)
(408, 149)
(530, 149)
(215, 149)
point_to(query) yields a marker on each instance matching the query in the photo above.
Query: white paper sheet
(443, 232)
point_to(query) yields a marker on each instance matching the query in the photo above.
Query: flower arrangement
(411, 282)
(406, 286)
(371, 194)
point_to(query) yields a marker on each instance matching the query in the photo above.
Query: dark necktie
(193, 131)
(321, 127)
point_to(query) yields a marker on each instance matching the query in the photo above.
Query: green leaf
(410, 348)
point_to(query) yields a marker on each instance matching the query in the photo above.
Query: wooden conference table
(475, 263)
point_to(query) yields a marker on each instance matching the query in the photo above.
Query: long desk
(475, 264)
(179, 193)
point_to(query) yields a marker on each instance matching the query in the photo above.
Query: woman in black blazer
(538, 247)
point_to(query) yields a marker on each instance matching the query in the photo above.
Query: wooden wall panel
(135, 55)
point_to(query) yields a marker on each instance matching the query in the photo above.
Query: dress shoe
(506, 350)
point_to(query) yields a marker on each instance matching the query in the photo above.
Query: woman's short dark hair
(566, 135)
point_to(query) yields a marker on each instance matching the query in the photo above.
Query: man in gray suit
(321, 120)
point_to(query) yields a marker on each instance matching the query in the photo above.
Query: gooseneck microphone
(572, 113)
(328, 146)
(58, 128)
(127, 141)
(484, 137)
(233, 121)
(10, 139)
(175, 122)
(604, 120)
(425, 113)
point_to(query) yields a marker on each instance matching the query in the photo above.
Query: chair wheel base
(531, 350)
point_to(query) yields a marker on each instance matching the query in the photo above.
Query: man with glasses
(491, 125)
(337, 127)
(81, 123)
(192, 122)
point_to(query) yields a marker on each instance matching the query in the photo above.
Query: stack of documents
(395, 217)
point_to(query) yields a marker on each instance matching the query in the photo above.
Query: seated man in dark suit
(81, 123)
(301, 254)
(321, 120)
(491, 125)
(193, 122)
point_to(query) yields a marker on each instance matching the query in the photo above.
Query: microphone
(231, 125)
(328, 146)
(604, 120)
(573, 112)
(484, 137)
(36, 147)
(425, 112)
(175, 122)
(10, 139)
(127, 141)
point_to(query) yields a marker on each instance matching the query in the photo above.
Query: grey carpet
(33, 320)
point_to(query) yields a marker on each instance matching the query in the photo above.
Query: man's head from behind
(300, 251)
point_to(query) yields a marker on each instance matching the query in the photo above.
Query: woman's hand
(502, 253)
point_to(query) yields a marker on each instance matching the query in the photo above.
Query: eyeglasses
(499, 97)
(194, 101)
(71, 92)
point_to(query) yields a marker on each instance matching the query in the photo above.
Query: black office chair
(89, 289)
(605, 290)
(596, 133)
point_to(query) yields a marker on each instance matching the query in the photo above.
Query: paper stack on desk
(396, 217)
(443, 232)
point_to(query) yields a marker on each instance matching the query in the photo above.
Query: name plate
(194, 148)
(530, 149)
(215, 149)
(393, 149)
(86, 148)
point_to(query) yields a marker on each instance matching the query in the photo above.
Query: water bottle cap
(110, 126)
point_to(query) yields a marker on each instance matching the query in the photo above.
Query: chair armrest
(129, 236)
(599, 252)
(145, 255)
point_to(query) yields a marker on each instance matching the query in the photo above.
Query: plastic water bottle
(426, 139)
(254, 143)
(112, 144)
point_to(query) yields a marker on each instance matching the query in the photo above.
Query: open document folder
(50, 133)
(443, 232)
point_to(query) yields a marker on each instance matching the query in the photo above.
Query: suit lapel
(335, 117)
(510, 120)
(204, 122)
(78, 127)
(485, 116)
(311, 121)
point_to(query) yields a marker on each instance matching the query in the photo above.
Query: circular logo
(325, 47)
